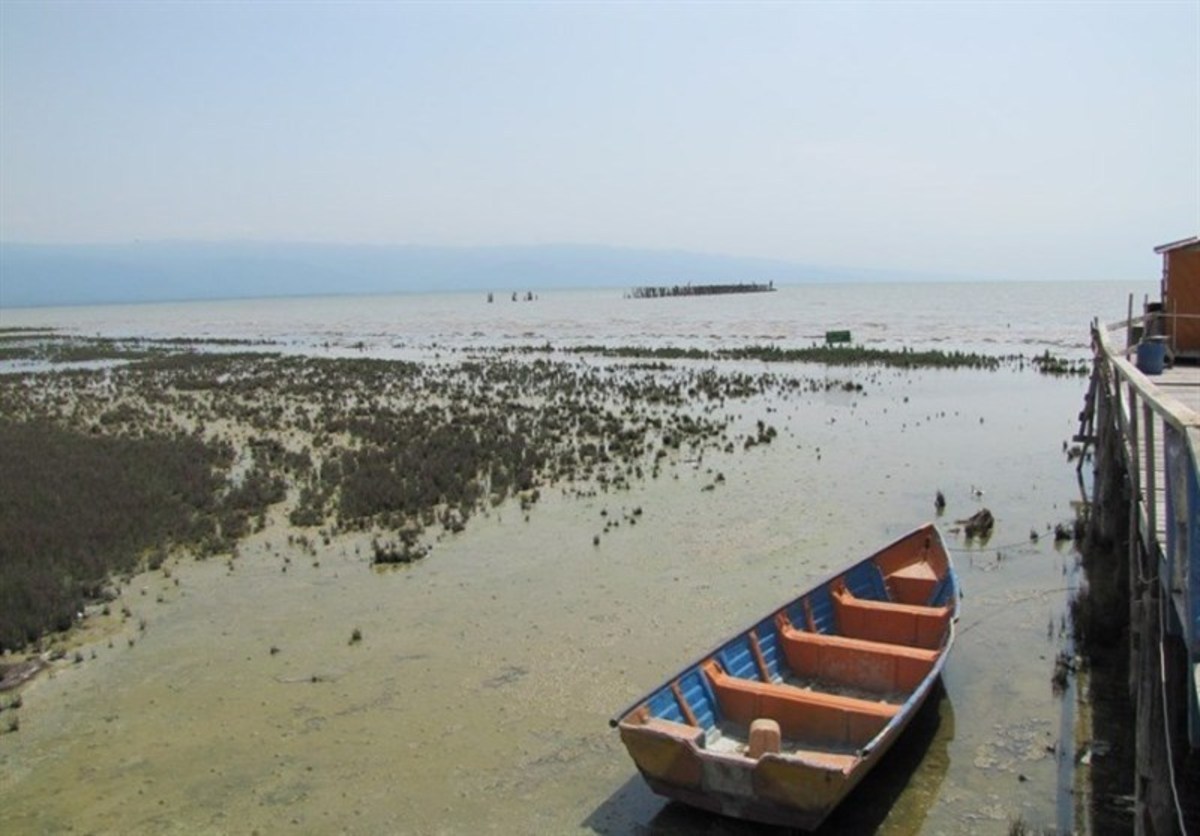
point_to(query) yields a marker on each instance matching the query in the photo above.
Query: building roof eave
(1182, 244)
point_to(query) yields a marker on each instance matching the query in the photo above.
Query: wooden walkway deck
(1179, 383)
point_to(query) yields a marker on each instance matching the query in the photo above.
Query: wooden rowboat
(779, 723)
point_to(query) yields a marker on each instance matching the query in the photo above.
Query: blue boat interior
(820, 604)
(866, 581)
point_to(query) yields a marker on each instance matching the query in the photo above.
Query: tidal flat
(577, 527)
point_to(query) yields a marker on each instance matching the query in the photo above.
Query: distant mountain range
(49, 275)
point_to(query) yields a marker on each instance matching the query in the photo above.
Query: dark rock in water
(939, 502)
(979, 524)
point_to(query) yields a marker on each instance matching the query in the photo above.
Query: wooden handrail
(1169, 408)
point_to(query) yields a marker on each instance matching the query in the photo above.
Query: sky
(1018, 140)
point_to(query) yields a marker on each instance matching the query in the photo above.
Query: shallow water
(478, 698)
(992, 317)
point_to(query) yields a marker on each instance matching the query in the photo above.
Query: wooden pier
(1145, 430)
(665, 292)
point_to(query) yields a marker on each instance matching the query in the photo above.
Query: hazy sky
(1010, 140)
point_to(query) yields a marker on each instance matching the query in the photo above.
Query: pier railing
(1158, 437)
(1162, 435)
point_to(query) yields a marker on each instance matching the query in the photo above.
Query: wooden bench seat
(882, 621)
(913, 584)
(913, 569)
(813, 718)
(858, 663)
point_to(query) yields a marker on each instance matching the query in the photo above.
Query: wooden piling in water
(649, 292)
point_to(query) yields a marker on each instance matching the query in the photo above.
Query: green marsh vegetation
(76, 508)
(47, 345)
(174, 450)
(832, 355)
(1052, 364)
(850, 355)
(104, 471)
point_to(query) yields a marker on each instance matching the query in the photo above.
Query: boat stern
(773, 788)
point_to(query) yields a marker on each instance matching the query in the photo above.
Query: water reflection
(897, 794)
(893, 799)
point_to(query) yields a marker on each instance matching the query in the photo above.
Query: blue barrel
(1151, 355)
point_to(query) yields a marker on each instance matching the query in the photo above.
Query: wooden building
(1181, 296)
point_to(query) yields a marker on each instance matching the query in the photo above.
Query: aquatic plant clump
(830, 355)
(48, 345)
(1051, 364)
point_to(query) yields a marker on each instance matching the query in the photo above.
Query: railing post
(1129, 324)
(1133, 448)
(1151, 480)
(1135, 487)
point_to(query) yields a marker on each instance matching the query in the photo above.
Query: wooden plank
(1160, 491)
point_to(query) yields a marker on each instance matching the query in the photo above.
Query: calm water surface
(479, 697)
(999, 318)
